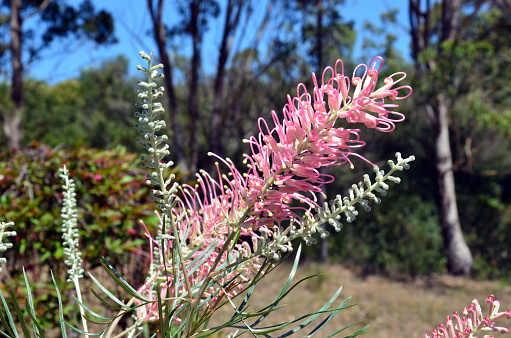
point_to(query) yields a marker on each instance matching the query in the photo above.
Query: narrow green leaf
(292, 273)
(199, 260)
(196, 263)
(90, 311)
(96, 320)
(324, 322)
(107, 303)
(250, 289)
(285, 290)
(315, 315)
(282, 325)
(105, 290)
(5, 334)
(121, 282)
(19, 313)
(278, 299)
(30, 303)
(190, 255)
(83, 332)
(39, 332)
(266, 267)
(9, 325)
(235, 240)
(340, 330)
(61, 312)
(160, 312)
(359, 332)
(260, 313)
(167, 313)
(178, 332)
(6, 325)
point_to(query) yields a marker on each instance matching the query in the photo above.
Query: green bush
(111, 197)
(394, 238)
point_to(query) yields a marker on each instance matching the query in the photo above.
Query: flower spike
(275, 199)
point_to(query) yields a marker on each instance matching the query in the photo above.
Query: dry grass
(394, 308)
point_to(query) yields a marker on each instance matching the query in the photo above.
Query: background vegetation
(86, 123)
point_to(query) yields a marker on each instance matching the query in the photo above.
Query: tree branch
(39, 9)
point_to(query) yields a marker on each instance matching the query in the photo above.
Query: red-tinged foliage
(111, 198)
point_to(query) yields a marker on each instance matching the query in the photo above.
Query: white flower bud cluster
(3, 234)
(148, 125)
(331, 212)
(165, 189)
(69, 228)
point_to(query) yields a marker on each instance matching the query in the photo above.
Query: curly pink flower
(283, 168)
(473, 321)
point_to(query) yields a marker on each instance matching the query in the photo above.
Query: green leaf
(121, 282)
(108, 293)
(126, 179)
(90, 311)
(30, 303)
(359, 332)
(362, 330)
(37, 328)
(19, 313)
(3, 200)
(2, 332)
(83, 332)
(6, 324)
(9, 322)
(235, 240)
(163, 327)
(23, 246)
(104, 301)
(250, 289)
(316, 314)
(285, 290)
(61, 312)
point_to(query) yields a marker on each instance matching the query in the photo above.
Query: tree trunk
(231, 22)
(12, 122)
(459, 257)
(193, 106)
(160, 38)
(457, 251)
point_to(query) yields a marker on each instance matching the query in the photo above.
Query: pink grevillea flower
(286, 158)
(473, 323)
(278, 190)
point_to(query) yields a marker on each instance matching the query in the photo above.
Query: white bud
(144, 55)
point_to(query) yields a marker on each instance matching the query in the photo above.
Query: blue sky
(132, 21)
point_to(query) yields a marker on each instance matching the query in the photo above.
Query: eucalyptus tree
(212, 100)
(454, 56)
(57, 21)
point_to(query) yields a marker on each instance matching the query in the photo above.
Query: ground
(395, 307)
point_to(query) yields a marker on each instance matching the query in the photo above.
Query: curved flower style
(285, 160)
(473, 321)
(260, 203)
